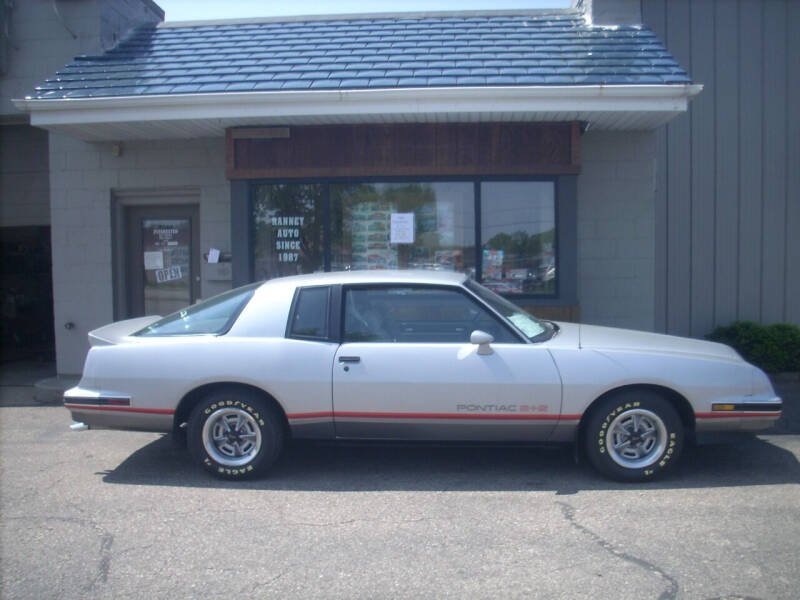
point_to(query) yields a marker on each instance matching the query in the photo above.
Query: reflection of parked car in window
(409, 355)
(547, 272)
(501, 287)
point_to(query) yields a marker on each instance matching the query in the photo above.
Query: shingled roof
(189, 80)
(555, 48)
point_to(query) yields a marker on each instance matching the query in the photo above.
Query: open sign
(169, 274)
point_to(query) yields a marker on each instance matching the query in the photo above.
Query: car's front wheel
(235, 434)
(634, 435)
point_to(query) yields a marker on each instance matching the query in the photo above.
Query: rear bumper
(101, 410)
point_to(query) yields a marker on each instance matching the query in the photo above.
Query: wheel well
(188, 402)
(679, 403)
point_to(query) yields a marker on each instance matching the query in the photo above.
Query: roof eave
(207, 115)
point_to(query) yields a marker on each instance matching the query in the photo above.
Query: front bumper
(750, 414)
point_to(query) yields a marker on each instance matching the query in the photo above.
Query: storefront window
(518, 233)
(287, 230)
(427, 225)
(410, 225)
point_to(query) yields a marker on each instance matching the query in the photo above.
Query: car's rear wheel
(235, 434)
(634, 435)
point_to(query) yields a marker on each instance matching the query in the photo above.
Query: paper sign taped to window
(153, 260)
(402, 228)
(213, 255)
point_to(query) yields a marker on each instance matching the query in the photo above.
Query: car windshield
(529, 325)
(213, 316)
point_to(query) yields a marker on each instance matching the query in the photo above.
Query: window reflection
(410, 225)
(403, 226)
(518, 234)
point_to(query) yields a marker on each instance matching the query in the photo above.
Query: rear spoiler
(109, 335)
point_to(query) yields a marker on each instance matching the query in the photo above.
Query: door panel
(445, 391)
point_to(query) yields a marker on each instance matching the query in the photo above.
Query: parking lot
(103, 514)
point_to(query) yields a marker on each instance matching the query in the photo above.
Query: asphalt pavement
(102, 514)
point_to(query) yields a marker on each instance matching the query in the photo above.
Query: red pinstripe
(410, 415)
(153, 411)
(402, 415)
(723, 415)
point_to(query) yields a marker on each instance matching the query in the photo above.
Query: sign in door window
(166, 244)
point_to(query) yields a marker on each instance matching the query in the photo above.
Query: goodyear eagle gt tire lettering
(634, 436)
(235, 435)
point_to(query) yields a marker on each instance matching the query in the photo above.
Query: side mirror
(482, 339)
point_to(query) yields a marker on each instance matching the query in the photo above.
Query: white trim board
(207, 115)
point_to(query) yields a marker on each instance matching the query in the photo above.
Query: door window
(166, 247)
(417, 314)
(162, 259)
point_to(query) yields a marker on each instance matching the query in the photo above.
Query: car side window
(408, 314)
(309, 318)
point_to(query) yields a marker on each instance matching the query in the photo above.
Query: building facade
(36, 40)
(527, 149)
(728, 187)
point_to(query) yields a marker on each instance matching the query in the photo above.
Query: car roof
(429, 277)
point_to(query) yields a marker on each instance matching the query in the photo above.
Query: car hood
(613, 339)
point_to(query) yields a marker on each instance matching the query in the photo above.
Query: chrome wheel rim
(636, 438)
(231, 437)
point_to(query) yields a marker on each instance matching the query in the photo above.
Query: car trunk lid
(108, 335)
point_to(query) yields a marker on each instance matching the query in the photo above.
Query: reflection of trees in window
(276, 252)
(532, 252)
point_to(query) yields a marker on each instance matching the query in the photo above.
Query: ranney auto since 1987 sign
(287, 237)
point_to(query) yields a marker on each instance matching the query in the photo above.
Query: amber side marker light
(723, 407)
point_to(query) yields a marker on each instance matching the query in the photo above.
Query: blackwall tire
(635, 435)
(235, 435)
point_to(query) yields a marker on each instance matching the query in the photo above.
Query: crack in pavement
(104, 565)
(106, 541)
(669, 594)
(351, 521)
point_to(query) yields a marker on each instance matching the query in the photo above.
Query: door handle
(349, 359)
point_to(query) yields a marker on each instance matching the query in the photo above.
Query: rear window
(213, 316)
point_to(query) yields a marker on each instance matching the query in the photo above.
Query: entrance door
(163, 265)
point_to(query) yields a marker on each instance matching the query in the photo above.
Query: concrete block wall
(616, 229)
(83, 179)
(41, 41)
(24, 179)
